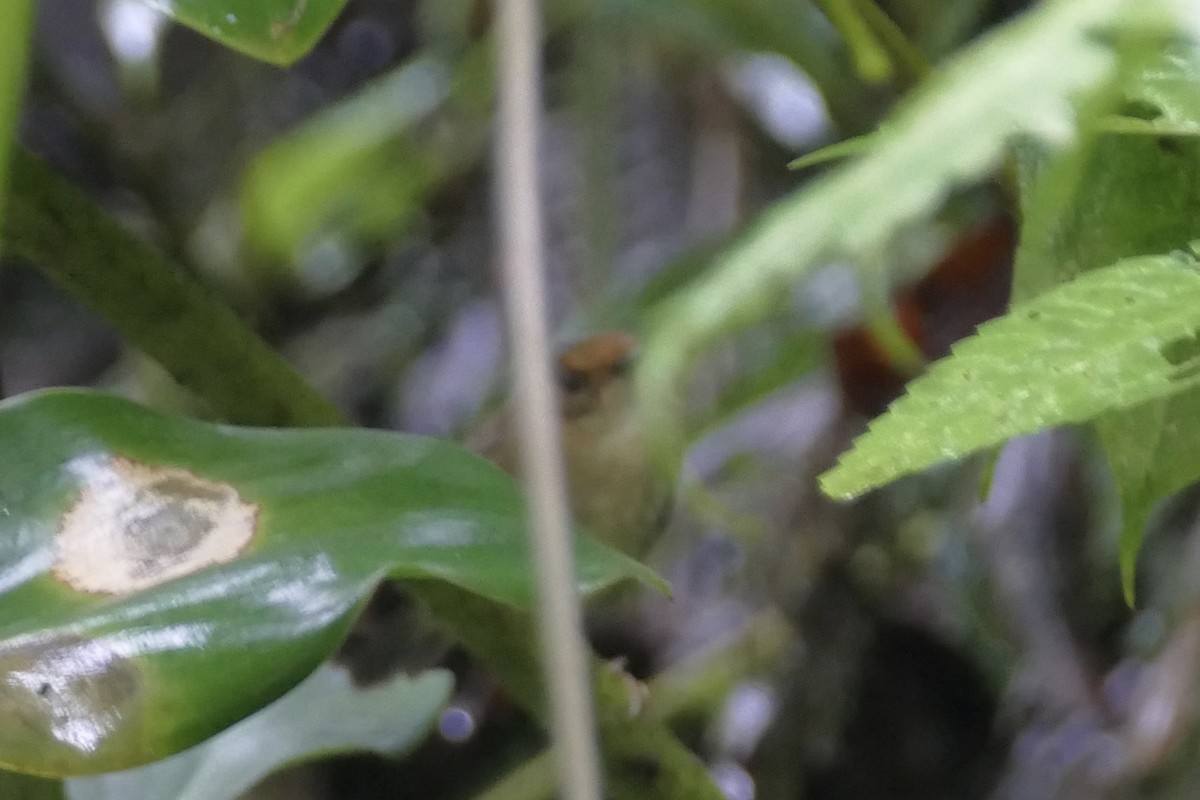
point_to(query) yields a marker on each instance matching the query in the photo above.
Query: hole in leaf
(1183, 354)
(1181, 351)
(1186, 372)
(1169, 145)
(1140, 109)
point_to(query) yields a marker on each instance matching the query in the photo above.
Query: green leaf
(161, 578)
(278, 31)
(1165, 97)
(1019, 80)
(1136, 195)
(847, 148)
(1133, 197)
(1152, 451)
(1112, 339)
(14, 786)
(14, 52)
(153, 303)
(315, 175)
(629, 741)
(323, 716)
(871, 59)
(363, 167)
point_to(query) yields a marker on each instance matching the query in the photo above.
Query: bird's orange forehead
(598, 353)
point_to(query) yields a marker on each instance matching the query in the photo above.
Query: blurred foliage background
(915, 644)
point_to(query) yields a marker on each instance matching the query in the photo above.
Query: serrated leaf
(323, 716)
(1111, 339)
(1153, 451)
(1164, 99)
(1136, 195)
(1134, 198)
(162, 578)
(1145, 201)
(1020, 80)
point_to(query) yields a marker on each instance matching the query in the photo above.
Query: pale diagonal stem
(564, 652)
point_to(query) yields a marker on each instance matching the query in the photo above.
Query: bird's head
(594, 377)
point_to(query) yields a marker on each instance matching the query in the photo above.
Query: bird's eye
(624, 365)
(572, 381)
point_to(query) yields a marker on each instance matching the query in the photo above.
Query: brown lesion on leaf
(134, 526)
(1183, 354)
(282, 29)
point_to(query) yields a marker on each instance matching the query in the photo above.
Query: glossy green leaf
(278, 31)
(161, 579)
(1111, 339)
(324, 716)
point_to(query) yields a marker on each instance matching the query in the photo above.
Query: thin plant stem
(532, 780)
(560, 619)
(700, 683)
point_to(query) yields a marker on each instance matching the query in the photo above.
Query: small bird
(617, 495)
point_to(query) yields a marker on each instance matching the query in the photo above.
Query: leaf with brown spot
(133, 641)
